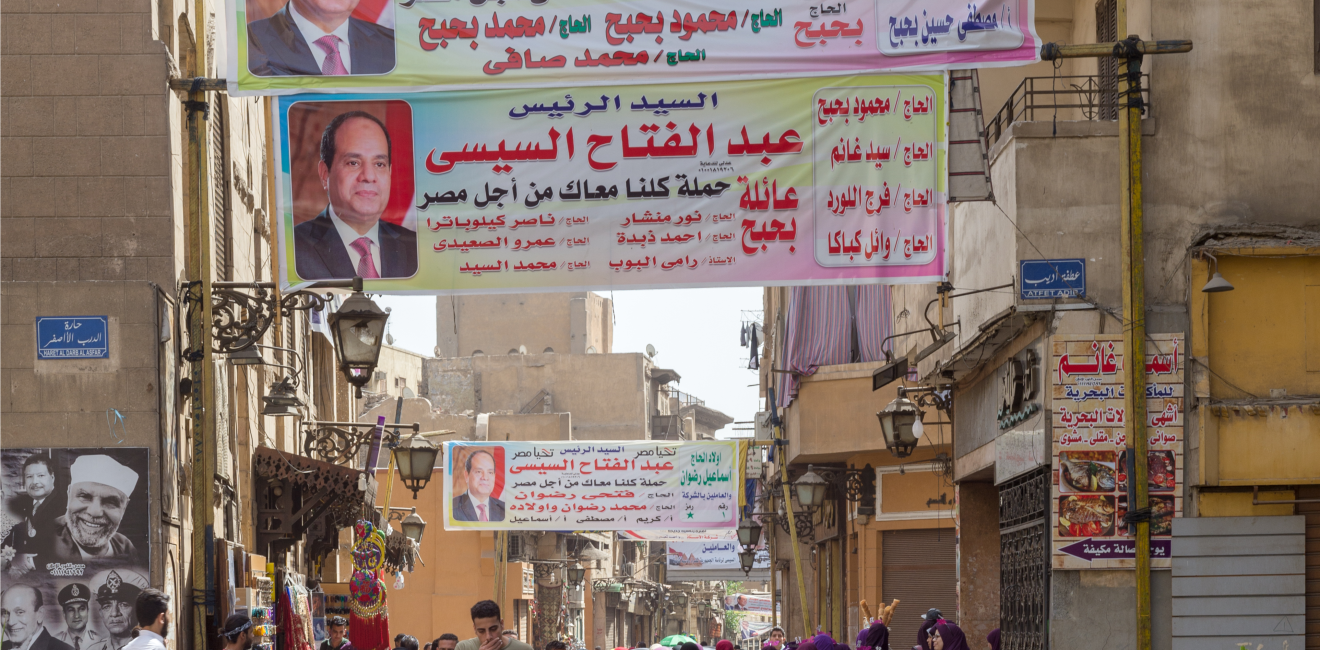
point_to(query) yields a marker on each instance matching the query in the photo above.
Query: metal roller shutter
(1311, 511)
(920, 568)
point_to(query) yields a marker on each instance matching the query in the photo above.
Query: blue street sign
(73, 337)
(1052, 278)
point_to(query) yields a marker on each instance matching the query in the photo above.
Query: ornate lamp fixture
(411, 524)
(359, 330)
(339, 442)
(746, 559)
(576, 574)
(415, 458)
(749, 533)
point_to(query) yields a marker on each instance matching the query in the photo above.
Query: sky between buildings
(695, 331)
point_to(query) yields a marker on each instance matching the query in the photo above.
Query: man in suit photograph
(348, 237)
(318, 37)
(40, 504)
(20, 607)
(477, 504)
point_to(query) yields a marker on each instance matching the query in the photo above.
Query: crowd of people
(151, 611)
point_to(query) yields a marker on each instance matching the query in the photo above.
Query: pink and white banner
(415, 45)
(826, 180)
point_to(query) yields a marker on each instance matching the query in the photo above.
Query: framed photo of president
(478, 483)
(320, 37)
(351, 175)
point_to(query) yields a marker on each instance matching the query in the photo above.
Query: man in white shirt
(348, 238)
(319, 37)
(153, 618)
(477, 504)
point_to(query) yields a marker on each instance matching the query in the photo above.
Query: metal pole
(792, 531)
(199, 336)
(1136, 349)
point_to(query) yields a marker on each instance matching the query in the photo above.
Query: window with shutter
(1106, 31)
(221, 215)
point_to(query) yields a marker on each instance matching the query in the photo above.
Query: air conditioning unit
(626, 571)
(764, 431)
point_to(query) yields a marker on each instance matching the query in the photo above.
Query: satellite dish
(651, 351)
(408, 393)
(389, 339)
(522, 349)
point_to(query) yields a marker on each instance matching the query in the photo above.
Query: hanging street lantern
(749, 533)
(746, 559)
(413, 526)
(681, 599)
(810, 490)
(898, 423)
(359, 329)
(576, 574)
(415, 458)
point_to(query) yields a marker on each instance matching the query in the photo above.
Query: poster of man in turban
(74, 544)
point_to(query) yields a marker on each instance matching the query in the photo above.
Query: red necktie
(481, 513)
(366, 264)
(333, 64)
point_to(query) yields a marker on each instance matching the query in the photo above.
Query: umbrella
(676, 640)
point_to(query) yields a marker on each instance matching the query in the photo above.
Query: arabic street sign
(1114, 549)
(73, 337)
(1052, 278)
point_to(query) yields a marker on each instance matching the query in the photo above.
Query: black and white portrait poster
(74, 546)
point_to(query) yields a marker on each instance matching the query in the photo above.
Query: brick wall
(84, 112)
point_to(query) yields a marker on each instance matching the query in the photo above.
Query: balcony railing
(1073, 98)
(684, 399)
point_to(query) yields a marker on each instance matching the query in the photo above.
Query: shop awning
(995, 334)
(300, 498)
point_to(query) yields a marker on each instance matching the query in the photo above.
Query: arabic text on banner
(780, 182)
(700, 556)
(417, 45)
(1090, 478)
(595, 486)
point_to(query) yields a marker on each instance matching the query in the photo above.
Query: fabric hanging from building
(828, 326)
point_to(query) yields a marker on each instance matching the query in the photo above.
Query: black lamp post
(749, 533)
(746, 559)
(576, 574)
(810, 490)
(413, 526)
(359, 329)
(415, 458)
(896, 424)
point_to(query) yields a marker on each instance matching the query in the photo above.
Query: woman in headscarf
(875, 637)
(809, 644)
(948, 636)
(993, 638)
(823, 642)
(724, 644)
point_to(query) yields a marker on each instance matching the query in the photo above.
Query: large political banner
(75, 545)
(288, 46)
(593, 486)
(750, 183)
(1092, 471)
